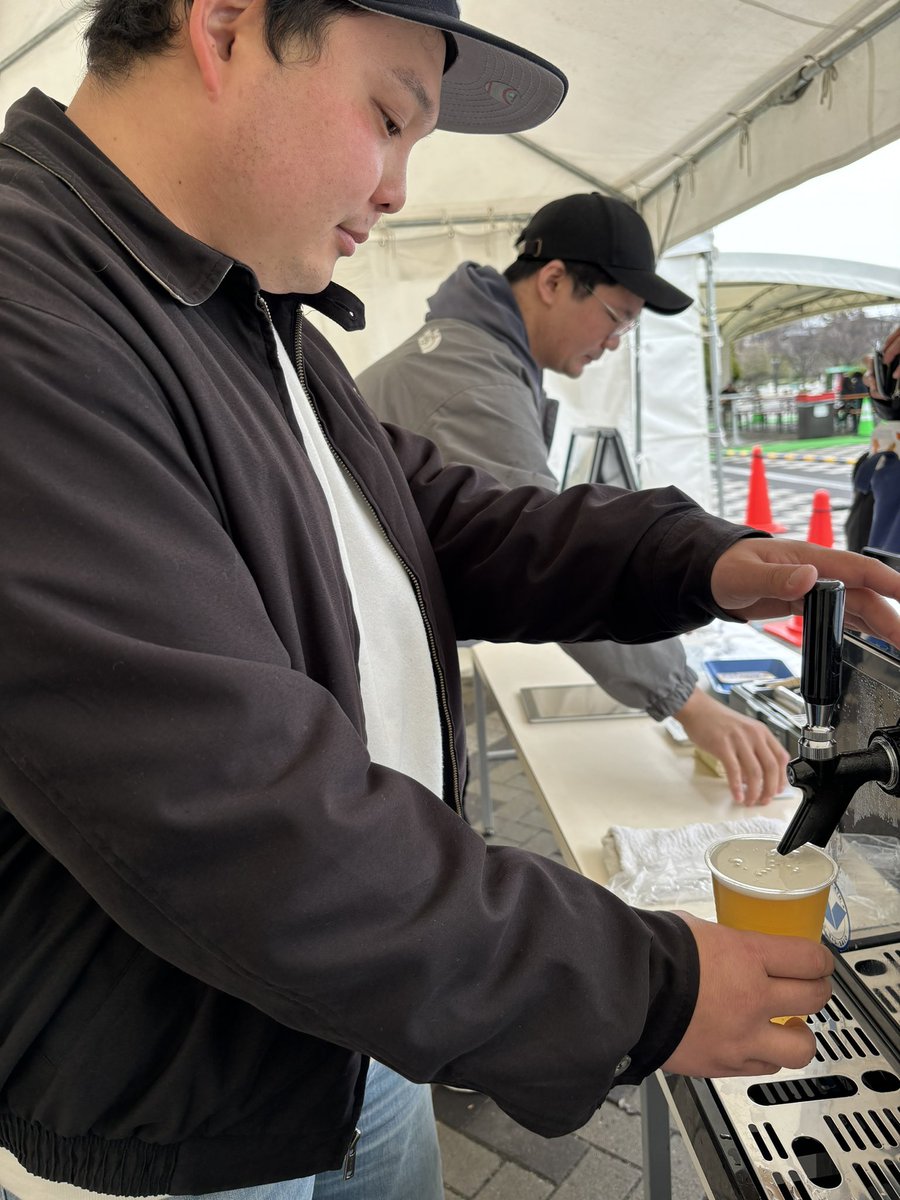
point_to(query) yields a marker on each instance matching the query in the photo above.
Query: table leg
(655, 1141)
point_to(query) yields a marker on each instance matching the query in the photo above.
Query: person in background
(471, 379)
(242, 921)
(874, 517)
(847, 411)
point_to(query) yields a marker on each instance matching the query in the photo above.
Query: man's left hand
(753, 759)
(768, 577)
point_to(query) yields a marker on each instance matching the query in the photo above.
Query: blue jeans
(397, 1156)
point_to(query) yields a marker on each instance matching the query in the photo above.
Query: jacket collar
(188, 269)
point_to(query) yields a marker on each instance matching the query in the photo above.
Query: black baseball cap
(605, 233)
(490, 85)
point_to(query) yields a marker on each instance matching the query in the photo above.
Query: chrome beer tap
(827, 779)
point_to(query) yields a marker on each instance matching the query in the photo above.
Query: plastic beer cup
(758, 889)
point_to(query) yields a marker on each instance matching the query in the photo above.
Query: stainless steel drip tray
(877, 968)
(831, 1132)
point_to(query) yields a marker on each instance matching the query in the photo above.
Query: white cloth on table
(666, 866)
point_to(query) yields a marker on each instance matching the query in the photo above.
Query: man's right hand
(745, 980)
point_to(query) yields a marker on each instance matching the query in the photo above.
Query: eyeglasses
(622, 326)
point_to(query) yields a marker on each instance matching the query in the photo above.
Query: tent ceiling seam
(779, 12)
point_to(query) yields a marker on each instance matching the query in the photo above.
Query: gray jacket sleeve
(654, 676)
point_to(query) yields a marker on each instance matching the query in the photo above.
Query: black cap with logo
(605, 233)
(490, 85)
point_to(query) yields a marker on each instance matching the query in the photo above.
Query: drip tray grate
(832, 1132)
(878, 970)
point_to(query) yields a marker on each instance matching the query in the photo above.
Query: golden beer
(758, 889)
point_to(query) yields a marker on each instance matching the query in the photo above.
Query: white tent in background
(752, 293)
(693, 111)
(756, 292)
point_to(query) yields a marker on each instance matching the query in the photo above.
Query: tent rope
(829, 74)
(743, 126)
(829, 78)
(690, 165)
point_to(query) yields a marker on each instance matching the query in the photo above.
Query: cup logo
(836, 929)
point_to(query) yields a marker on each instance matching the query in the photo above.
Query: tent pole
(448, 222)
(637, 414)
(42, 36)
(712, 332)
(606, 188)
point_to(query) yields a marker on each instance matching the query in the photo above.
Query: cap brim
(493, 86)
(657, 293)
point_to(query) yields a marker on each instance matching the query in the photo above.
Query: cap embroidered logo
(503, 92)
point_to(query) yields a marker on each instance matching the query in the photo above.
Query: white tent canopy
(676, 107)
(694, 111)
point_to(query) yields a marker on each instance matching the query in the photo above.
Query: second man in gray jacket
(471, 380)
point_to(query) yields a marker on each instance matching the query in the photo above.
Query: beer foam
(753, 865)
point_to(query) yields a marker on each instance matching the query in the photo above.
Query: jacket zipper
(443, 698)
(349, 1163)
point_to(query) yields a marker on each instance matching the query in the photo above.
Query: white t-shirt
(398, 689)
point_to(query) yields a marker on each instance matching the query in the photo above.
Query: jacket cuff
(665, 704)
(674, 988)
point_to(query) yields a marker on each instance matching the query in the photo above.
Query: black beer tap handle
(828, 780)
(820, 675)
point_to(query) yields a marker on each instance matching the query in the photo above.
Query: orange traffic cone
(820, 532)
(759, 511)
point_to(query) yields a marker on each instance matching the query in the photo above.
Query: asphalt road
(790, 486)
(801, 477)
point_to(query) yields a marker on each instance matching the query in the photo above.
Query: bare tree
(848, 336)
(806, 349)
(806, 352)
(755, 363)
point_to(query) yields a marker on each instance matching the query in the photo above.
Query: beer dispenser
(827, 779)
(830, 1131)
